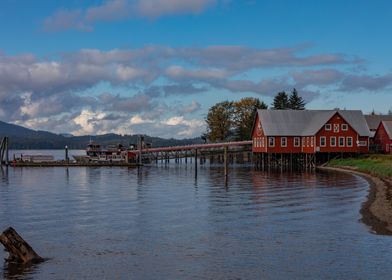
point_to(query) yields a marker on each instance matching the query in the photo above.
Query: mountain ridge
(24, 138)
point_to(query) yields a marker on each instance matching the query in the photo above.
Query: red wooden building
(383, 136)
(310, 132)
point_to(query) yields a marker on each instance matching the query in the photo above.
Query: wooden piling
(66, 155)
(195, 162)
(225, 161)
(18, 249)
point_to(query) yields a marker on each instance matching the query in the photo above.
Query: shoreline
(377, 210)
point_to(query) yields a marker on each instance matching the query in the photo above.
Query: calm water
(161, 223)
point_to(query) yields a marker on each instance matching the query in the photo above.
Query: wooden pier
(224, 153)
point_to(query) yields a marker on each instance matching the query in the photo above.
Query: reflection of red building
(310, 131)
(383, 136)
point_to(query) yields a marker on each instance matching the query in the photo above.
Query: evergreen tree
(296, 102)
(281, 101)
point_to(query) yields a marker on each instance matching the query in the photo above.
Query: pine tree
(296, 102)
(281, 101)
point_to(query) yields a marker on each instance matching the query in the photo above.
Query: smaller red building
(383, 137)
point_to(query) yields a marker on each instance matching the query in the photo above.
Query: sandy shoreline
(377, 210)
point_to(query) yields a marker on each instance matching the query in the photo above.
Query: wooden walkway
(211, 150)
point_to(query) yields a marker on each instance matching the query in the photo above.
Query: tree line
(233, 120)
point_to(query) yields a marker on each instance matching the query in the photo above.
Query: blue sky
(156, 66)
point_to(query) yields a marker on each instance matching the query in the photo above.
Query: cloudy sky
(156, 66)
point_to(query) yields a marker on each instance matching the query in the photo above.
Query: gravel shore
(377, 210)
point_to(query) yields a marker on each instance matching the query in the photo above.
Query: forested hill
(24, 138)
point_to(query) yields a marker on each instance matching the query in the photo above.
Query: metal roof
(388, 127)
(373, 121)
(307, 122)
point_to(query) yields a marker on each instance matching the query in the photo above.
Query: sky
(155, 67)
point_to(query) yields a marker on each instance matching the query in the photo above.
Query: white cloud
(87, 121)
(114, 10)
(145, 86)
(126, 73)
(187, 109)
(179, 72)
(137, 119)
(186, 128)
(158, 8)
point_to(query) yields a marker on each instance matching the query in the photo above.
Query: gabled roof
(388, 127)
(307, 122)
(373, 121)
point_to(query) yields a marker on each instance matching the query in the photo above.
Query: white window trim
(297, 142)
(328, 127)
(349, 137)
(285, 142)
(344, 141)
(330, 141)
(336, 128)
(344, 127)
(273, 141)
(325, 141)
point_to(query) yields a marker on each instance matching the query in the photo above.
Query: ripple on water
(161, 223)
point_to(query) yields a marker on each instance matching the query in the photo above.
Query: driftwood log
(18, 249)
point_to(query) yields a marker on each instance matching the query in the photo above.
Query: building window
(323, 141)
(262, 142)
(328, 126)
(336, 127)
(283, 141)
(362, 143)
(344, 127)
(332, 141)
(296, 142)
(311, 141)
(349, 141)
(303, 141)
(341, 141)
(271, 141)
(254, 142)
(307, 141)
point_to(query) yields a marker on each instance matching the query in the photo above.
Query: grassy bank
(377, 165)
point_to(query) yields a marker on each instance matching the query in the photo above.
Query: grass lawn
(378, 165)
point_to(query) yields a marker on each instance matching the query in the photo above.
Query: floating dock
(72, 164)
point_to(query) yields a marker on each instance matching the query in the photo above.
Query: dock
(72, 164)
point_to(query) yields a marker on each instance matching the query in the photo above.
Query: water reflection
(162, 222)
(16, 271)
(4, 174)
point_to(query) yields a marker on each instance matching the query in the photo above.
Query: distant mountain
(24, 138)
(66, 134)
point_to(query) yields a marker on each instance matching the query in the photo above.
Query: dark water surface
(161, 223)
